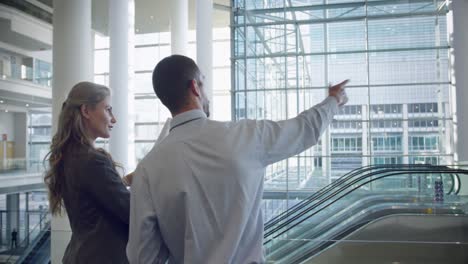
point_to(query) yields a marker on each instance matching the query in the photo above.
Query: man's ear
(194, 88)
(84, 111)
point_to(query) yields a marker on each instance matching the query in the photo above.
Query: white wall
(15, 126)
(5, 64)
(7, 123)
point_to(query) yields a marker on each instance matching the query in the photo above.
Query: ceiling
(153, 15)
(150, 16)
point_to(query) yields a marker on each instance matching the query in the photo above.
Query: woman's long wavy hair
(71, 136)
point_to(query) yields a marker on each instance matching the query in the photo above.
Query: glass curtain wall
(39, 138)
(285, 53)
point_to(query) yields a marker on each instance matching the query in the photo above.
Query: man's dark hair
(171, 79)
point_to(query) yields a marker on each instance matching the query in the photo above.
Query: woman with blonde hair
(83, 179)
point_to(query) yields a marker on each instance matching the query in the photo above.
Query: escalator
(363, 197)
(39, 252)
(35, 248)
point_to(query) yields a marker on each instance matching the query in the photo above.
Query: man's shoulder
(160, 150)
(233, 124)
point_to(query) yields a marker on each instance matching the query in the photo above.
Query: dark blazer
(98, 206)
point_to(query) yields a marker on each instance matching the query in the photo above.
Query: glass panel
(148, 110)
(396, 58)
(416, 66)
(144, 83)
(141, 58)
(407, 32)
(101, 61)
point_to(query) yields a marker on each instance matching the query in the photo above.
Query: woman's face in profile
(101, 119)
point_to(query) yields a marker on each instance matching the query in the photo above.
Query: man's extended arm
(283, 139)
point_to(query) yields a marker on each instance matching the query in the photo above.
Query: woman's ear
(84, 111)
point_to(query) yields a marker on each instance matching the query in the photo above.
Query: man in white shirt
(196, 196)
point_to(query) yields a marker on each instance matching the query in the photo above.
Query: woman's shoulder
(99, 157)
(93, 163)
(86, 158)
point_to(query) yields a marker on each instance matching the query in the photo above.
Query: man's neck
(186, 109)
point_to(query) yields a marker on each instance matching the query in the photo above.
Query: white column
(27, 156)
(72, 63)
(179, 27)
(13, 216)
(3, 145)
(26, 218)
(72, 49)
(405, 136)
(457, 22)
(205, 45)
(20, 128)
(121, 37)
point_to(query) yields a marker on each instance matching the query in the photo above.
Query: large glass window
(350, 110)
(387, 143)
(39, 130)
(424, 160)
(394, 52)
(423, 108)
(423, 142)
(387, 160)
(346, 144)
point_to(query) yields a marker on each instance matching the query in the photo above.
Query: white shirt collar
(186, 117)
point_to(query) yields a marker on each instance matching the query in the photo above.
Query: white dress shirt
(196, 196)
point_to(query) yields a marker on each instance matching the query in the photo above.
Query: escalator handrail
(366, 216)
(320, 202)
(332, 185)
(328, 198)
(456, 187)
(336, 193)
(43, 217)
(452, 188)
(310, 251)
(440, 169)
(30, 249)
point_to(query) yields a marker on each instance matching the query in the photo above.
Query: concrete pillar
(1, 229)
(20, 129)
(26, 218)
(121, 37)
(72, 49)
(205, 45)
(13, 216)
(27, 140)
(179, 27)
(72, 63)
(457, 22)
